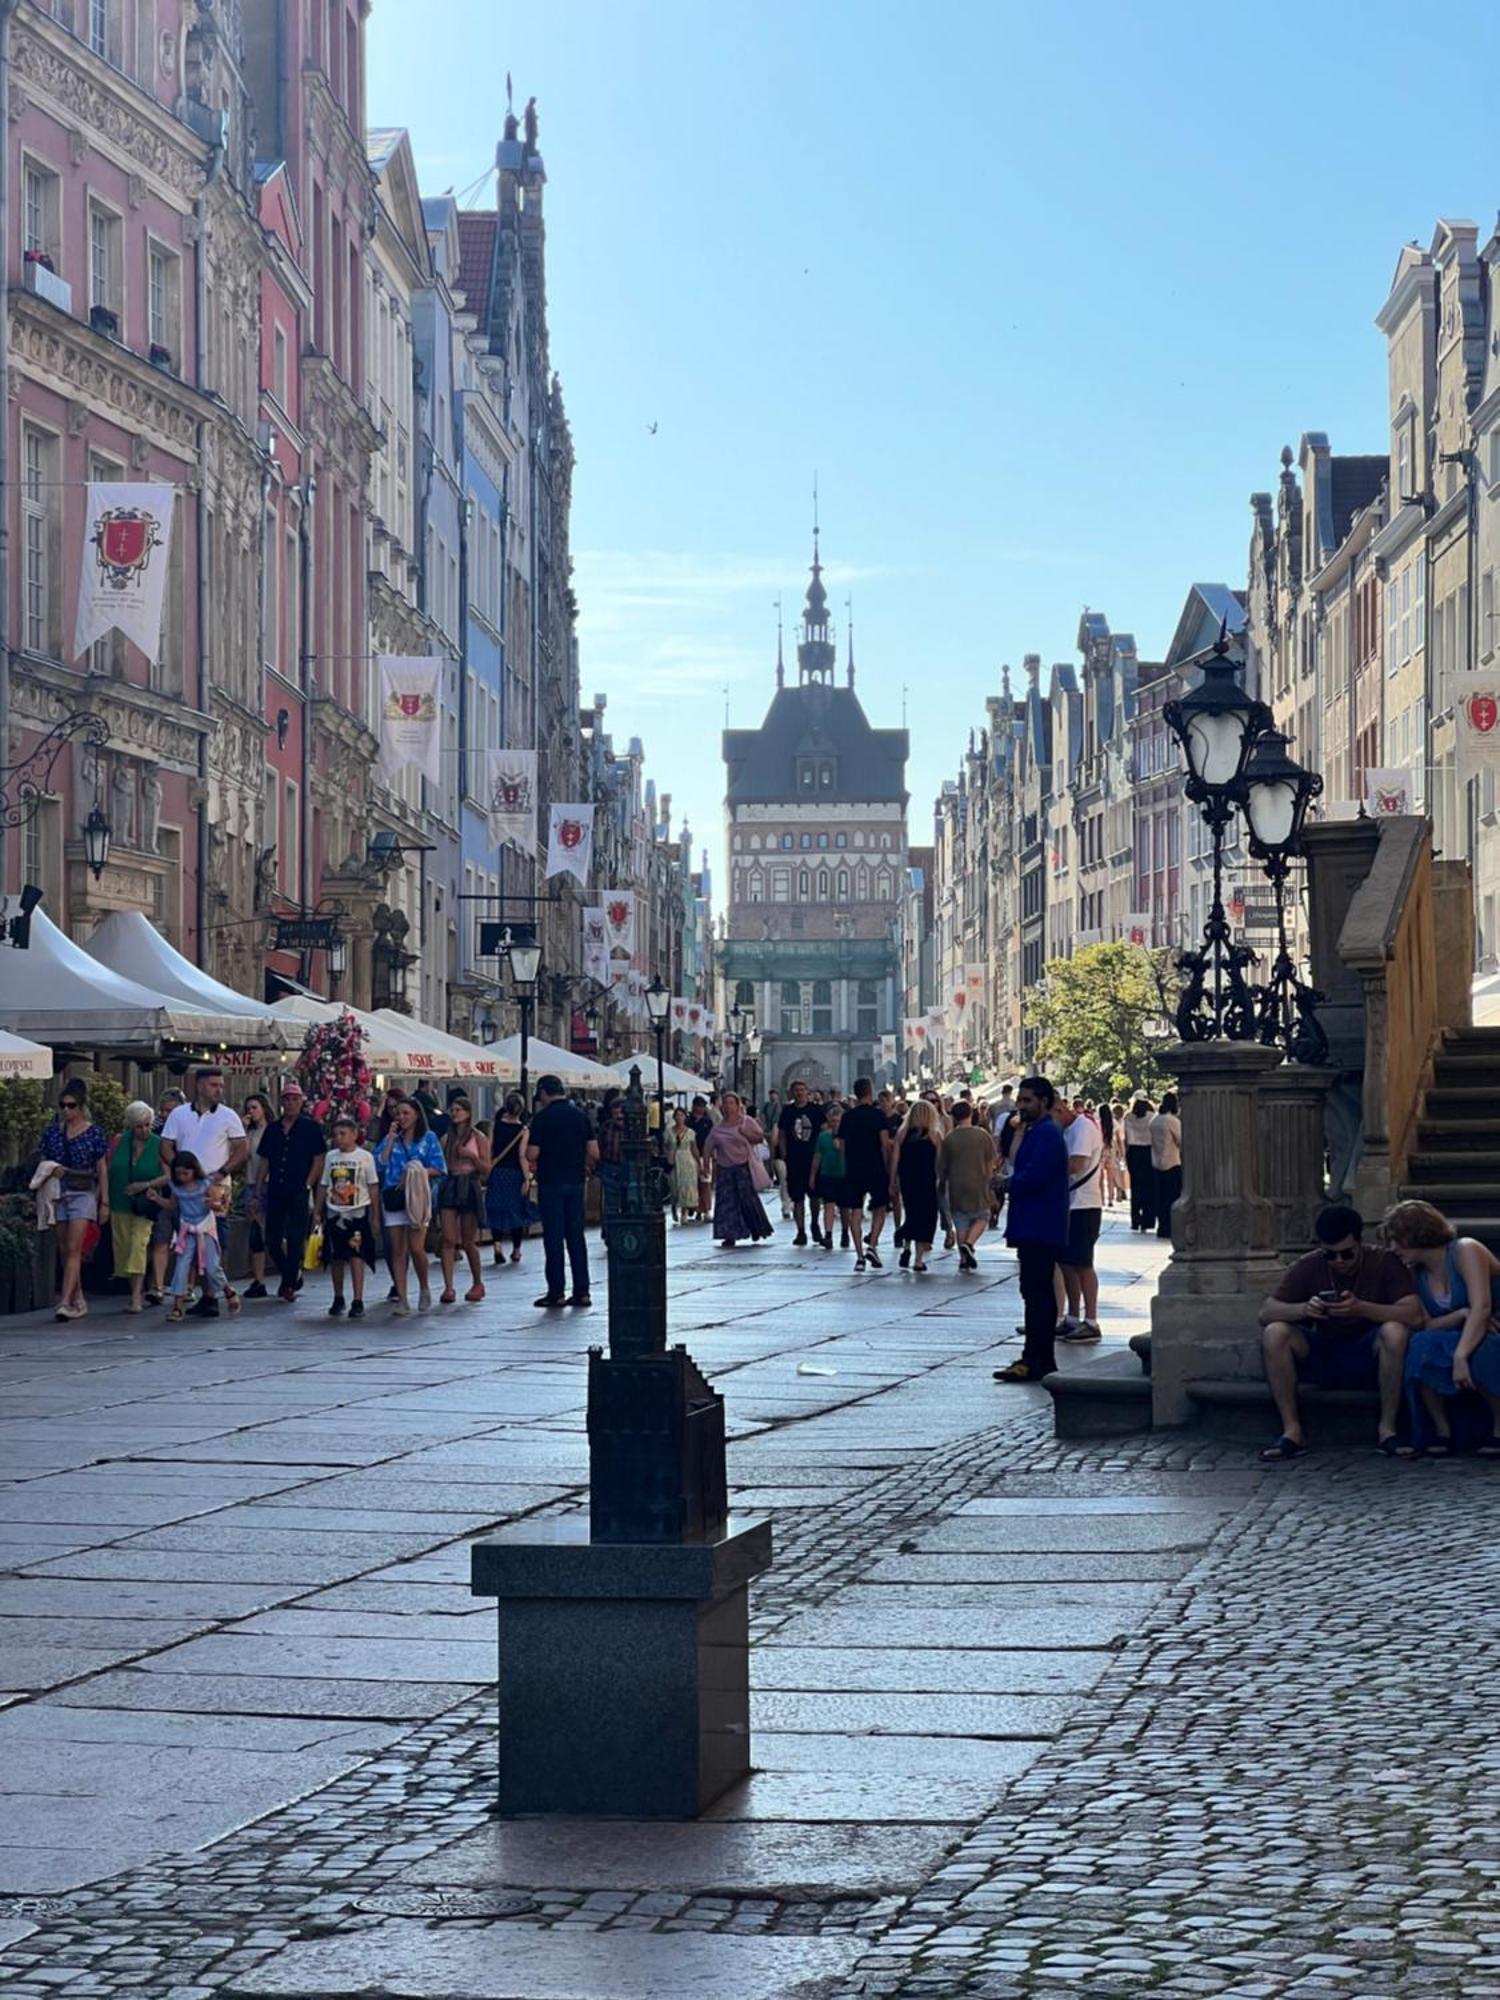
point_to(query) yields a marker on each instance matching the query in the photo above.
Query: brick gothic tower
(815, 803)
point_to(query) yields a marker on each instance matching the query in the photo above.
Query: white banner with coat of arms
(511, 782)
(1476, 714)
(570, 841)
(619, 919)
(127, 536)
(595, 946)
(411, 715)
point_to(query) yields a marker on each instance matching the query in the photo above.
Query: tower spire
(817, 656)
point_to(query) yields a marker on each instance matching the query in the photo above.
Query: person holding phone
(1340, 1319)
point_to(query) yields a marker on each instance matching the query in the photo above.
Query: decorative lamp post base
(624, 1680)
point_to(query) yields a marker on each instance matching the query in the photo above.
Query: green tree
(1101, 1020)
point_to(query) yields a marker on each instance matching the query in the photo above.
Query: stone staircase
(1455, 1163)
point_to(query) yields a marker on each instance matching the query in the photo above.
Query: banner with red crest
(511, 790)
(1476, 713)
(595, 945)
(914, 1031)
(694, 1017)
(570, 841)
(974, 983)
(411, 720)
(619, 919)
(127, 538)
(1388, 792)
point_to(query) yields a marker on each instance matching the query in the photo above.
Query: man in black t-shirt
(795, 1139)
(560, 1152)
(868, 1145)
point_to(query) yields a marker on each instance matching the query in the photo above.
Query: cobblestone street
(1031, 1718)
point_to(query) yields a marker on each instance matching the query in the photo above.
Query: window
(38, 509)
(822, 840)
(786, 840)
(841, 840)
(843, 885)
(822, 1007)
(104, 258)
(40, 210)
(823, 885)
(781, 884)
(270, 826)
(867, 1007)
(806, 840)
(99, 27)
(1403, 466)
(1420, 632)
(271, 607)
(161, 299)
(744, 993)
(289, 831)
(804, 884)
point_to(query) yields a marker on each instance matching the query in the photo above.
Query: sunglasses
(1343, 1256)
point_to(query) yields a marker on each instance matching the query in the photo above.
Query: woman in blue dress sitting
(1458, 1280)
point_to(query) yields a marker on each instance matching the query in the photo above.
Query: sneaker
(1081, 1332)
(1067, 1326)
(392, 1295)
(256, 1291)
(967, 1261)
(872, 1257)
(336, 1309)
(799, 1241)
(551, 1299)
(424, 1302)
(580, 1299)
(859, 1263)
(400, 1309)
(904, 1260)
(357, 1310)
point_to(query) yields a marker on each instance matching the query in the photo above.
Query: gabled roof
(1356, 482)
(1208, 606)
(814, 720)
(477, 231)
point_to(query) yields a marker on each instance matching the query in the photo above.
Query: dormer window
(825, 775)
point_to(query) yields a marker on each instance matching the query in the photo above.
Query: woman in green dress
(134, 1165)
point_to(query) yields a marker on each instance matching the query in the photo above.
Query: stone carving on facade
(121, 387)
(265, 878)
(151, 799)
(122, 802)
(51, 74)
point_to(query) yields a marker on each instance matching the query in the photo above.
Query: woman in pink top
(738, 1208)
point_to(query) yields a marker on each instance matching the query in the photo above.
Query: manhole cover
(37, 1906)
(455, 1903)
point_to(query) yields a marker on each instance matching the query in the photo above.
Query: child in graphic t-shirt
(346, 1208)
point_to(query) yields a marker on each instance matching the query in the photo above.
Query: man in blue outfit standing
(1036, 1209)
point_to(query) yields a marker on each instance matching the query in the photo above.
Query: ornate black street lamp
(525, 962)
(1217, 725)
(658, 1005)
(338, 958)
(96, 838)
(1278, 792)
(738, 1018)
(752, 1049)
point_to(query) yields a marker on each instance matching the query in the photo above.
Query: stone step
(1480, 1197)
(1452, 1163)
(1459, 1135)
(1140, 1346)
(1244, 1412)
(1473, 1069)
(1105, 1396)
(1472, 1038)
(1461, 1101)
(1462, 1216)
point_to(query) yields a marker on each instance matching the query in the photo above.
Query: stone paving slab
(1058, 1534)
(321, 1657)
(932, 1716)
(767, 1857)
(1070, 1567)
(883, 1797)
(266, 1694)
(929, 1669)
(292, 1570)
(891, 1755)
(408, 1961)
(996, 1622)
(48, 1597)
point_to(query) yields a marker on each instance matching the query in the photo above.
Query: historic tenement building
(815, 806)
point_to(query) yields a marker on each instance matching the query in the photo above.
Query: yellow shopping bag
(312, 1256)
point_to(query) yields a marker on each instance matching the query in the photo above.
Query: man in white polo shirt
(211, 1131)
(1085, 1144)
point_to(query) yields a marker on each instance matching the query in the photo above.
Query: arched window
(885, 840)
(883, 885)
(822, 840)
(804, 884)
(755, 843)
(862, 886)
(843, 885)
(822, 885)
(806, 840)
(841, 840)
(744, 993)
(859, 840)
(786, 840)
(757, 886)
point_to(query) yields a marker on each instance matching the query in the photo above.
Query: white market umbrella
(18, 1057)
(580, 1072)
(54, 992)
(678, 1082)
(483, 1065)
(127, 943)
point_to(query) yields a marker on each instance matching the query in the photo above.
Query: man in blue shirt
(1036, 1228)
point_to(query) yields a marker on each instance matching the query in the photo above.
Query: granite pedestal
(624, 1683)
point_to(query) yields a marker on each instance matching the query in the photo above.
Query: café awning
(676, 1081)
(129, 944)
(54, 992)
(401, 1046)
(578, 1072)
(18, 1057)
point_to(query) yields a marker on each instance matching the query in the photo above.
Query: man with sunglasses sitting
(1340, 1319)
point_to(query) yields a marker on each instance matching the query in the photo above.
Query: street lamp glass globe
(338, 958)
(525, 964)
(1216, 745)
(658, 1000)
(1272, 812)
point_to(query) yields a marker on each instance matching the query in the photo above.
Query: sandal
(232, 1300)
(515, 1257)
(447, 1296)
(1283, 1448)
(175, 1314)
(1391, 1447)
(474, 1294)
(1439, 1448)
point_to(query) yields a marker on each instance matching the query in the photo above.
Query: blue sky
(1038, 292)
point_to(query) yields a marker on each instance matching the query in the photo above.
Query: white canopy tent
(18, 1057)
(402, 1046)
(578, 1072)
(127, 943)
(676, 1081)
(54, 992)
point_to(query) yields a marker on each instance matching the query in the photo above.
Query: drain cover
(439, 1903)
(37, 1906)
